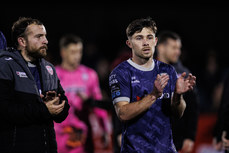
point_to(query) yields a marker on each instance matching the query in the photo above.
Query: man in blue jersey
(146, 92)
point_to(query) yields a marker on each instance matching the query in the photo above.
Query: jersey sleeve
(119, 83)
(173, 78)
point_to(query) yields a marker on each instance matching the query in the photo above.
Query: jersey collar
(139, 67)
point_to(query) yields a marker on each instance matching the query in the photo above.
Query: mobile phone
(51, 94)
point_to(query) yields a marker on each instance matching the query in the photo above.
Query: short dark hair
(69, 39)
(138, 24)
(163, 36)
(19, 27)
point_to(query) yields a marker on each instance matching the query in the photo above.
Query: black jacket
(222, 123)
(26, 124)
(186, 126)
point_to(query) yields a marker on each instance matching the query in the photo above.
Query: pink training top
(84, 80)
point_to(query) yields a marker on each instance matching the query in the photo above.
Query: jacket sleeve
(15, 110)
(63, 115)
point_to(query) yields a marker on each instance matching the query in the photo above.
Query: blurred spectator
(103, 70)
(184, 129)
(91, 55)
(124, 54)
(3, 43)
(221, 131)
(86, 130)
(209, 84)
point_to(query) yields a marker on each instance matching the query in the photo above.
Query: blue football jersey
(151, 131)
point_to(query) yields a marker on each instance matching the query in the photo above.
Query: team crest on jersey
(134, 80)
(85, 76)
(49, 69)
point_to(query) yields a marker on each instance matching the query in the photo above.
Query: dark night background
(202, 27)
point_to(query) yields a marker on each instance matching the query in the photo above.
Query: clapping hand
(185, 84)
(160, 83)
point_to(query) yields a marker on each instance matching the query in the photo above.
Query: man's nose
(145, 42)
(45, 41)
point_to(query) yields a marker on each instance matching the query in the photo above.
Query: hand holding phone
(50, 95)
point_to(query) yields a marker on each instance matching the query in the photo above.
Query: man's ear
(62, 52)
(128, 43)
(21, 41)
(156, 39)
(160, 48)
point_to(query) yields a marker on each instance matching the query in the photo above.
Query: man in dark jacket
(221, 130)
(31, 96)
(184, 129)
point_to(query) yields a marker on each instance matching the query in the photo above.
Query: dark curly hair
(19, 27)
(138, 24)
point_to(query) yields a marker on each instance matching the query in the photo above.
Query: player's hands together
(185, 84)
(160, 83)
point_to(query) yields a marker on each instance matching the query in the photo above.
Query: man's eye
(150, 37)
(39, 36)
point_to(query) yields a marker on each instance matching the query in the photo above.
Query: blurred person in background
(221, 130)
(210, 84)
(103, 69)
(31, 96)
(81, 83)
(184, 129)
(91, 55)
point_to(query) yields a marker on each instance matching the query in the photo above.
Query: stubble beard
(37, 53)
(145, 56)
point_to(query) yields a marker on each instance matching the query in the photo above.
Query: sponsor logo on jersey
(113, 80)
(21, 74)
(165, 96)
(8, 58)
(115, 90)
(134, 80)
